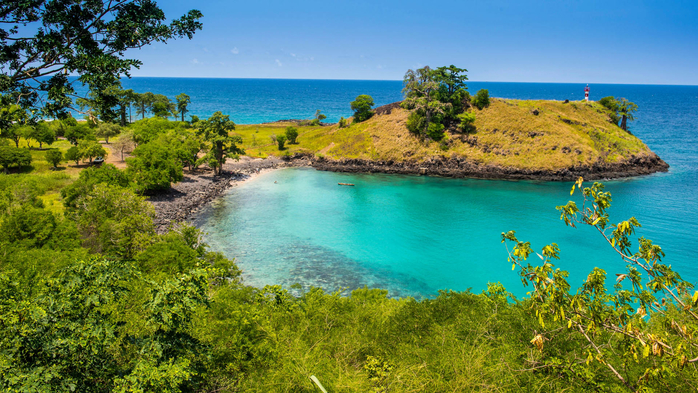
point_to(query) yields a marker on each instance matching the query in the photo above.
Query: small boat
(345, 184)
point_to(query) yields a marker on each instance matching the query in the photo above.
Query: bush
(280, 140)
(291, 134)
(90, 149)
(108, 130)
(54, 157)
(342, 122)
(106, 174)
(467, 122)
(362, 108)
(14, 157)
(481, 99)
(154, 166)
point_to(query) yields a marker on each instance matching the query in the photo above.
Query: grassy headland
(513, 135)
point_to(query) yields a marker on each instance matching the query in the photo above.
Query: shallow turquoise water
(416, 235)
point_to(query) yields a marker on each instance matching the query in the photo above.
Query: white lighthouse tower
(586, 93)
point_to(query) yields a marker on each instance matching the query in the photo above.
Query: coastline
(199, 187)
(185, 199)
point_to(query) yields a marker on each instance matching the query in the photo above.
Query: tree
(14, 157)
(481, 99)
(42, 134)
(626, 109)
(640, 334)
(291, 134)
(91, 149)
(154, 167)
(421, 96)
(144, 103)
(216, 131)
(87, 39)
(88, 178)
(125, 143)
(107, 130)
(620, 110)
(73, 154)
(54, 157)
(342, 122)
(319, 117)
(12, 118)
(163, 107)
(362, 108)
(183, 102)
(79, 132)
(280, 140)
(452, 89)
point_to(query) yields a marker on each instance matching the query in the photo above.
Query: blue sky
(581, 41)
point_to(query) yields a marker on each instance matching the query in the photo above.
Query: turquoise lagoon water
(417, 235)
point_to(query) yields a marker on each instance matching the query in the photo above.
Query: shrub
(54, 157)
(91, 149)
(154, 166)
(362, 108)
(481, 99)
(467, 121)
(108, 130)
(14, 157)
(280, 140)
(291, 134)
(342, 122)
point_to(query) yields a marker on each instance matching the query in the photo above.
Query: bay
(417, 235)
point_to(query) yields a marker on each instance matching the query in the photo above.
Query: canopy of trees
(435, 98)
(362, 108)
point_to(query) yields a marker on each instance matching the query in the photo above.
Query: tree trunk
(123, 115)
(623, 123)
(182, 116)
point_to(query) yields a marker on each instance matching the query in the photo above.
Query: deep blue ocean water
(416, 235)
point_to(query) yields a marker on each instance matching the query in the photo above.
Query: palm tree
(626, 109)
(183, 101)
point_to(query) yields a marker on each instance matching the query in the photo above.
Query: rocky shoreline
(462, 168)
(188, 197)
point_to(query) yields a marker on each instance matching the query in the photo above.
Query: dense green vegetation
(621, 110)
(92, 299)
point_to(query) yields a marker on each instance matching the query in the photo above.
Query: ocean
(417, 235)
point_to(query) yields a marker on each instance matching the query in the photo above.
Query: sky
(574, 41)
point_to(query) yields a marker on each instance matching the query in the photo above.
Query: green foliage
(108, 130)
(54, 157)
(114, 221)
(620, 110)
(291, 134)
(467, 122)
(481, 99)
(12, 118)
(79, 132)
(154, 166)
(183, 102)
(129, 334)
(14, 157)
(280, 140)
(42, 134)
(149, 129)
(638, 334)
(216, 132)
(73, 154)
(90, 149)
(362, 108)
(422, 98)
(87, 39)
(342, 122)
(106, 174)
(163, 107)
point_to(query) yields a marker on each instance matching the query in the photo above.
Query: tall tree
(625, 110)
(183, 102)
(421, 96)
(144, 103)
(43, 41)
(216, 131)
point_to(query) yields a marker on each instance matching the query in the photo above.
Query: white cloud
(278, 62)
(235, 51)
(312, 58)
(205, 49)
(195, 61)
(293, 54)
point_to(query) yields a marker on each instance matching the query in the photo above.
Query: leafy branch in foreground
(642, 334)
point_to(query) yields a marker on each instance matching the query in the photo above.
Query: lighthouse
(586, 93)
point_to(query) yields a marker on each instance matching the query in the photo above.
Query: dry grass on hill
(509, 134)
